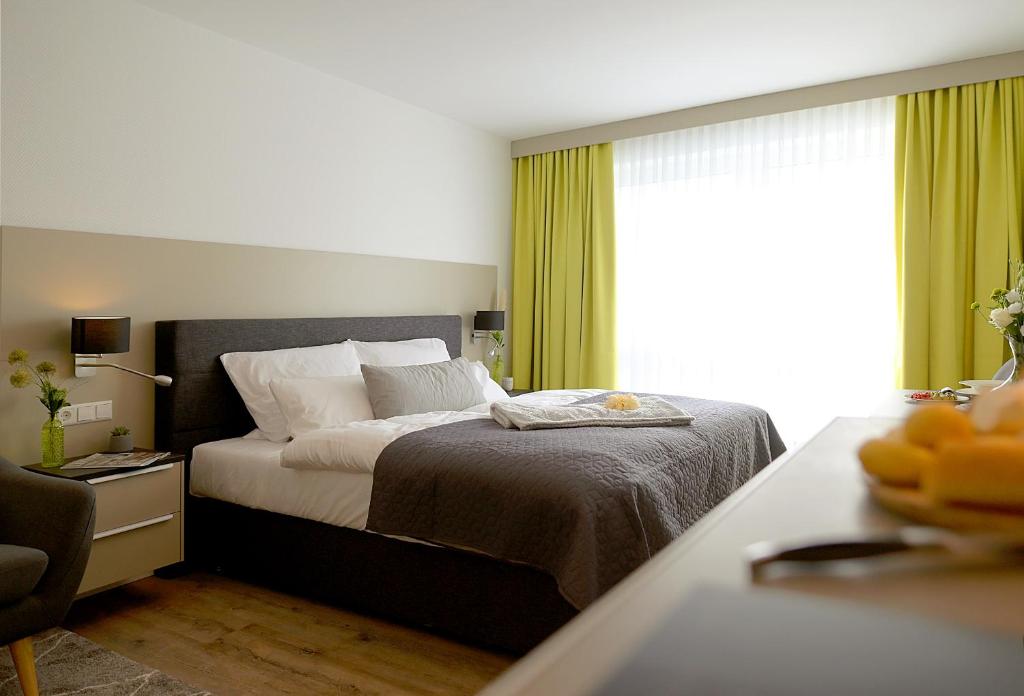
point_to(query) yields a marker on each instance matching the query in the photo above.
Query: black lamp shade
(489, 321)
(99, 335)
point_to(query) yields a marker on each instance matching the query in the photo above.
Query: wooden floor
(233, 638)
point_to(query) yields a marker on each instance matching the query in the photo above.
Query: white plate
(960, 399)
(976, 387)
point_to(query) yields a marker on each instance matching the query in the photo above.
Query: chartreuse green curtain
(563, 269)
(959, 179)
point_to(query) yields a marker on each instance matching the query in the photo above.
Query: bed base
(465, 596)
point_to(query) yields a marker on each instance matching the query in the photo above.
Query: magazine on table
(126, 460)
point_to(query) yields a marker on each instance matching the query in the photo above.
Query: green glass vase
(51, 438)
(498, 368)
(496, 362)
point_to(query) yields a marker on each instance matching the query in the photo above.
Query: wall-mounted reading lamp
(485, 322)
(92, 337)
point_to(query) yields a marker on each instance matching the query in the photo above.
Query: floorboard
(233, 638)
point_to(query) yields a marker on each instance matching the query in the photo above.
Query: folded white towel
(653, 411)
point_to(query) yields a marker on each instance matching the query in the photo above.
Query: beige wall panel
(48, 276)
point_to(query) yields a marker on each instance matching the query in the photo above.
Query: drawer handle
(129, 474)
(131, 527)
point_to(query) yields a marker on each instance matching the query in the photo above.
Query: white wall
(119, 119)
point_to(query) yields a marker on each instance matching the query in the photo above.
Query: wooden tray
(915, 505)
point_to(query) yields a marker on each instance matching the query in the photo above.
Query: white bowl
(980, 386)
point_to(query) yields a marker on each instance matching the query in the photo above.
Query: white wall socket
(90, 412)
(68, 415)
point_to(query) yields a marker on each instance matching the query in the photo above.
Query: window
(756, 263)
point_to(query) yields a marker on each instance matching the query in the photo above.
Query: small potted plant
(121, 440)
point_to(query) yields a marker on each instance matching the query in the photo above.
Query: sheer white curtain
(756, 262)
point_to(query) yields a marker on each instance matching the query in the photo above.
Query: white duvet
(355, 447)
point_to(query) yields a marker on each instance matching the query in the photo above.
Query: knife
(906, 539)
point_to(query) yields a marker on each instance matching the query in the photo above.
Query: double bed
(492, 536)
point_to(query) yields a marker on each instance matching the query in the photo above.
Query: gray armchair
(46, 526)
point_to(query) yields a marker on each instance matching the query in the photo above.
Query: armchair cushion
(21, 568)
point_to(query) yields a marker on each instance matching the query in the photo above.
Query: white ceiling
(520, 68)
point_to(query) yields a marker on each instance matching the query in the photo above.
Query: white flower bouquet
(1006, 314)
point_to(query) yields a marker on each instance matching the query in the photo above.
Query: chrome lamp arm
(85, 363)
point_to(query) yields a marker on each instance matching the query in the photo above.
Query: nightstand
(138, 520)
(519, 392)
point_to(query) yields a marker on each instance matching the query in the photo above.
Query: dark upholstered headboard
(202, 404)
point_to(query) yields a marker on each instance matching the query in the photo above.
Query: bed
(303, 531)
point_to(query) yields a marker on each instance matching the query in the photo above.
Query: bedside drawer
(136, 497)
(134, 553)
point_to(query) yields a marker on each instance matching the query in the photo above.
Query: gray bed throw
(587, 505)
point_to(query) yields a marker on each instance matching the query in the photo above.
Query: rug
(67, 664)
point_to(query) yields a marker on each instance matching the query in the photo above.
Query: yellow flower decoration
(20, 378)
(46, 368)
(17, 356)
(622, 402)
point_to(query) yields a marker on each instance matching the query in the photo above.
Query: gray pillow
(442, 386)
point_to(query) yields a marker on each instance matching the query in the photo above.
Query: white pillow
(312, 403)
(492, 390)
(416, 351)
(251, 374)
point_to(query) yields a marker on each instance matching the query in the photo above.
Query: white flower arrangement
(1007, 312)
